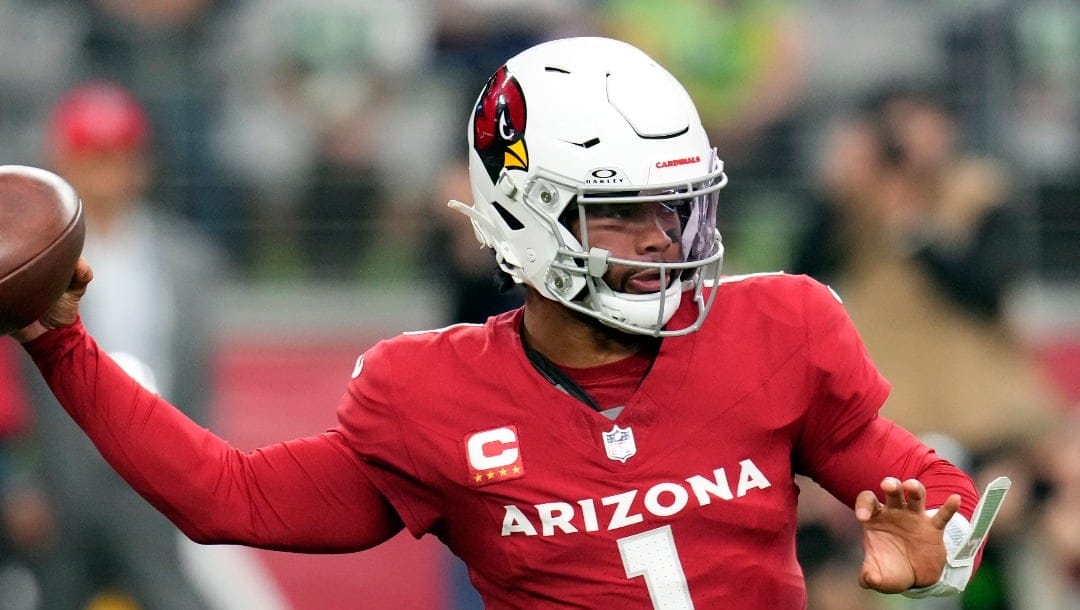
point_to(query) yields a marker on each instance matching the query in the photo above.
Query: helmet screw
(546, 193)
(558, 280)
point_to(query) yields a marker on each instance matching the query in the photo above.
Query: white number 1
(652, 554)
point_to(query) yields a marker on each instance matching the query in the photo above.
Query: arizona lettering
(628, 508)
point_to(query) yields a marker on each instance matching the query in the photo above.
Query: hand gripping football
(41, 237)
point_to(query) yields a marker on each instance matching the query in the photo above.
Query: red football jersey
(686, 499)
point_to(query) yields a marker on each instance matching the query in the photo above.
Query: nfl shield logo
(619, 444)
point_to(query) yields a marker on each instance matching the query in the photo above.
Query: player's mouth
(644, 282)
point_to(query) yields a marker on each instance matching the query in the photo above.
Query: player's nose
(655, 233)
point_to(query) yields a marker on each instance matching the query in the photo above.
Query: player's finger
(894, 492)
(916, 495)
(869, 576)
(866, 505)
(946, 511)
(83, 274)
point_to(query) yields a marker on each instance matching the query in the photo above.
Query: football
(41, 237)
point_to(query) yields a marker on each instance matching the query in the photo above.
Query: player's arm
(854, 453)
(308, 494)
(883, 449)
(913, 505)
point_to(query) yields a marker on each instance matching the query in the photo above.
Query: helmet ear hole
(510, 220)
(569, 214)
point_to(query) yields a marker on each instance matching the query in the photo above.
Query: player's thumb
(66, 309)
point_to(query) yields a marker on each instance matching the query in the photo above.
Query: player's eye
(672, 208)
(615, 211)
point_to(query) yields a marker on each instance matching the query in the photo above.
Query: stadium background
(310, 140)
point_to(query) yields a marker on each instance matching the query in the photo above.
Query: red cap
(96, 117)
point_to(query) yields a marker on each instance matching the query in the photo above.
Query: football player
(628, 438)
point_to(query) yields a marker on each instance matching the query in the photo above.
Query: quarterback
(628, 438)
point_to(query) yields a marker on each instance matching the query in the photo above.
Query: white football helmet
(576, 123)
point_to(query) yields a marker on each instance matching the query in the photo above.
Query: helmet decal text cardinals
(499, 125)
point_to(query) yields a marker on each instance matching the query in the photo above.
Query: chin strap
(555, 376)
(558, 378)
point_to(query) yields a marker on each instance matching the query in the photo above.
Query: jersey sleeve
(845, 388)
(310, 494)
(883, 449)
(846, 446)
(377, 419)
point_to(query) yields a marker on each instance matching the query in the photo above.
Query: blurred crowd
(922, 157)
(273, 118)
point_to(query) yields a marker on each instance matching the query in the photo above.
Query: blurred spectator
(924, 244)
(1011, 74)
(330, 122)
(160, 50)
(18, 588)
(1040, 122)
(340, 113)
(1050, 569)
(926, 247)
(1014, 64)
(473, 37)
(152, 312)
(745, 63)
(38, 44)
(854, 49)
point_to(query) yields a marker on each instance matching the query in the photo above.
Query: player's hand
(64, 310)
(903, 547)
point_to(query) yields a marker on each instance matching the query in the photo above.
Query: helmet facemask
(687, 213)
